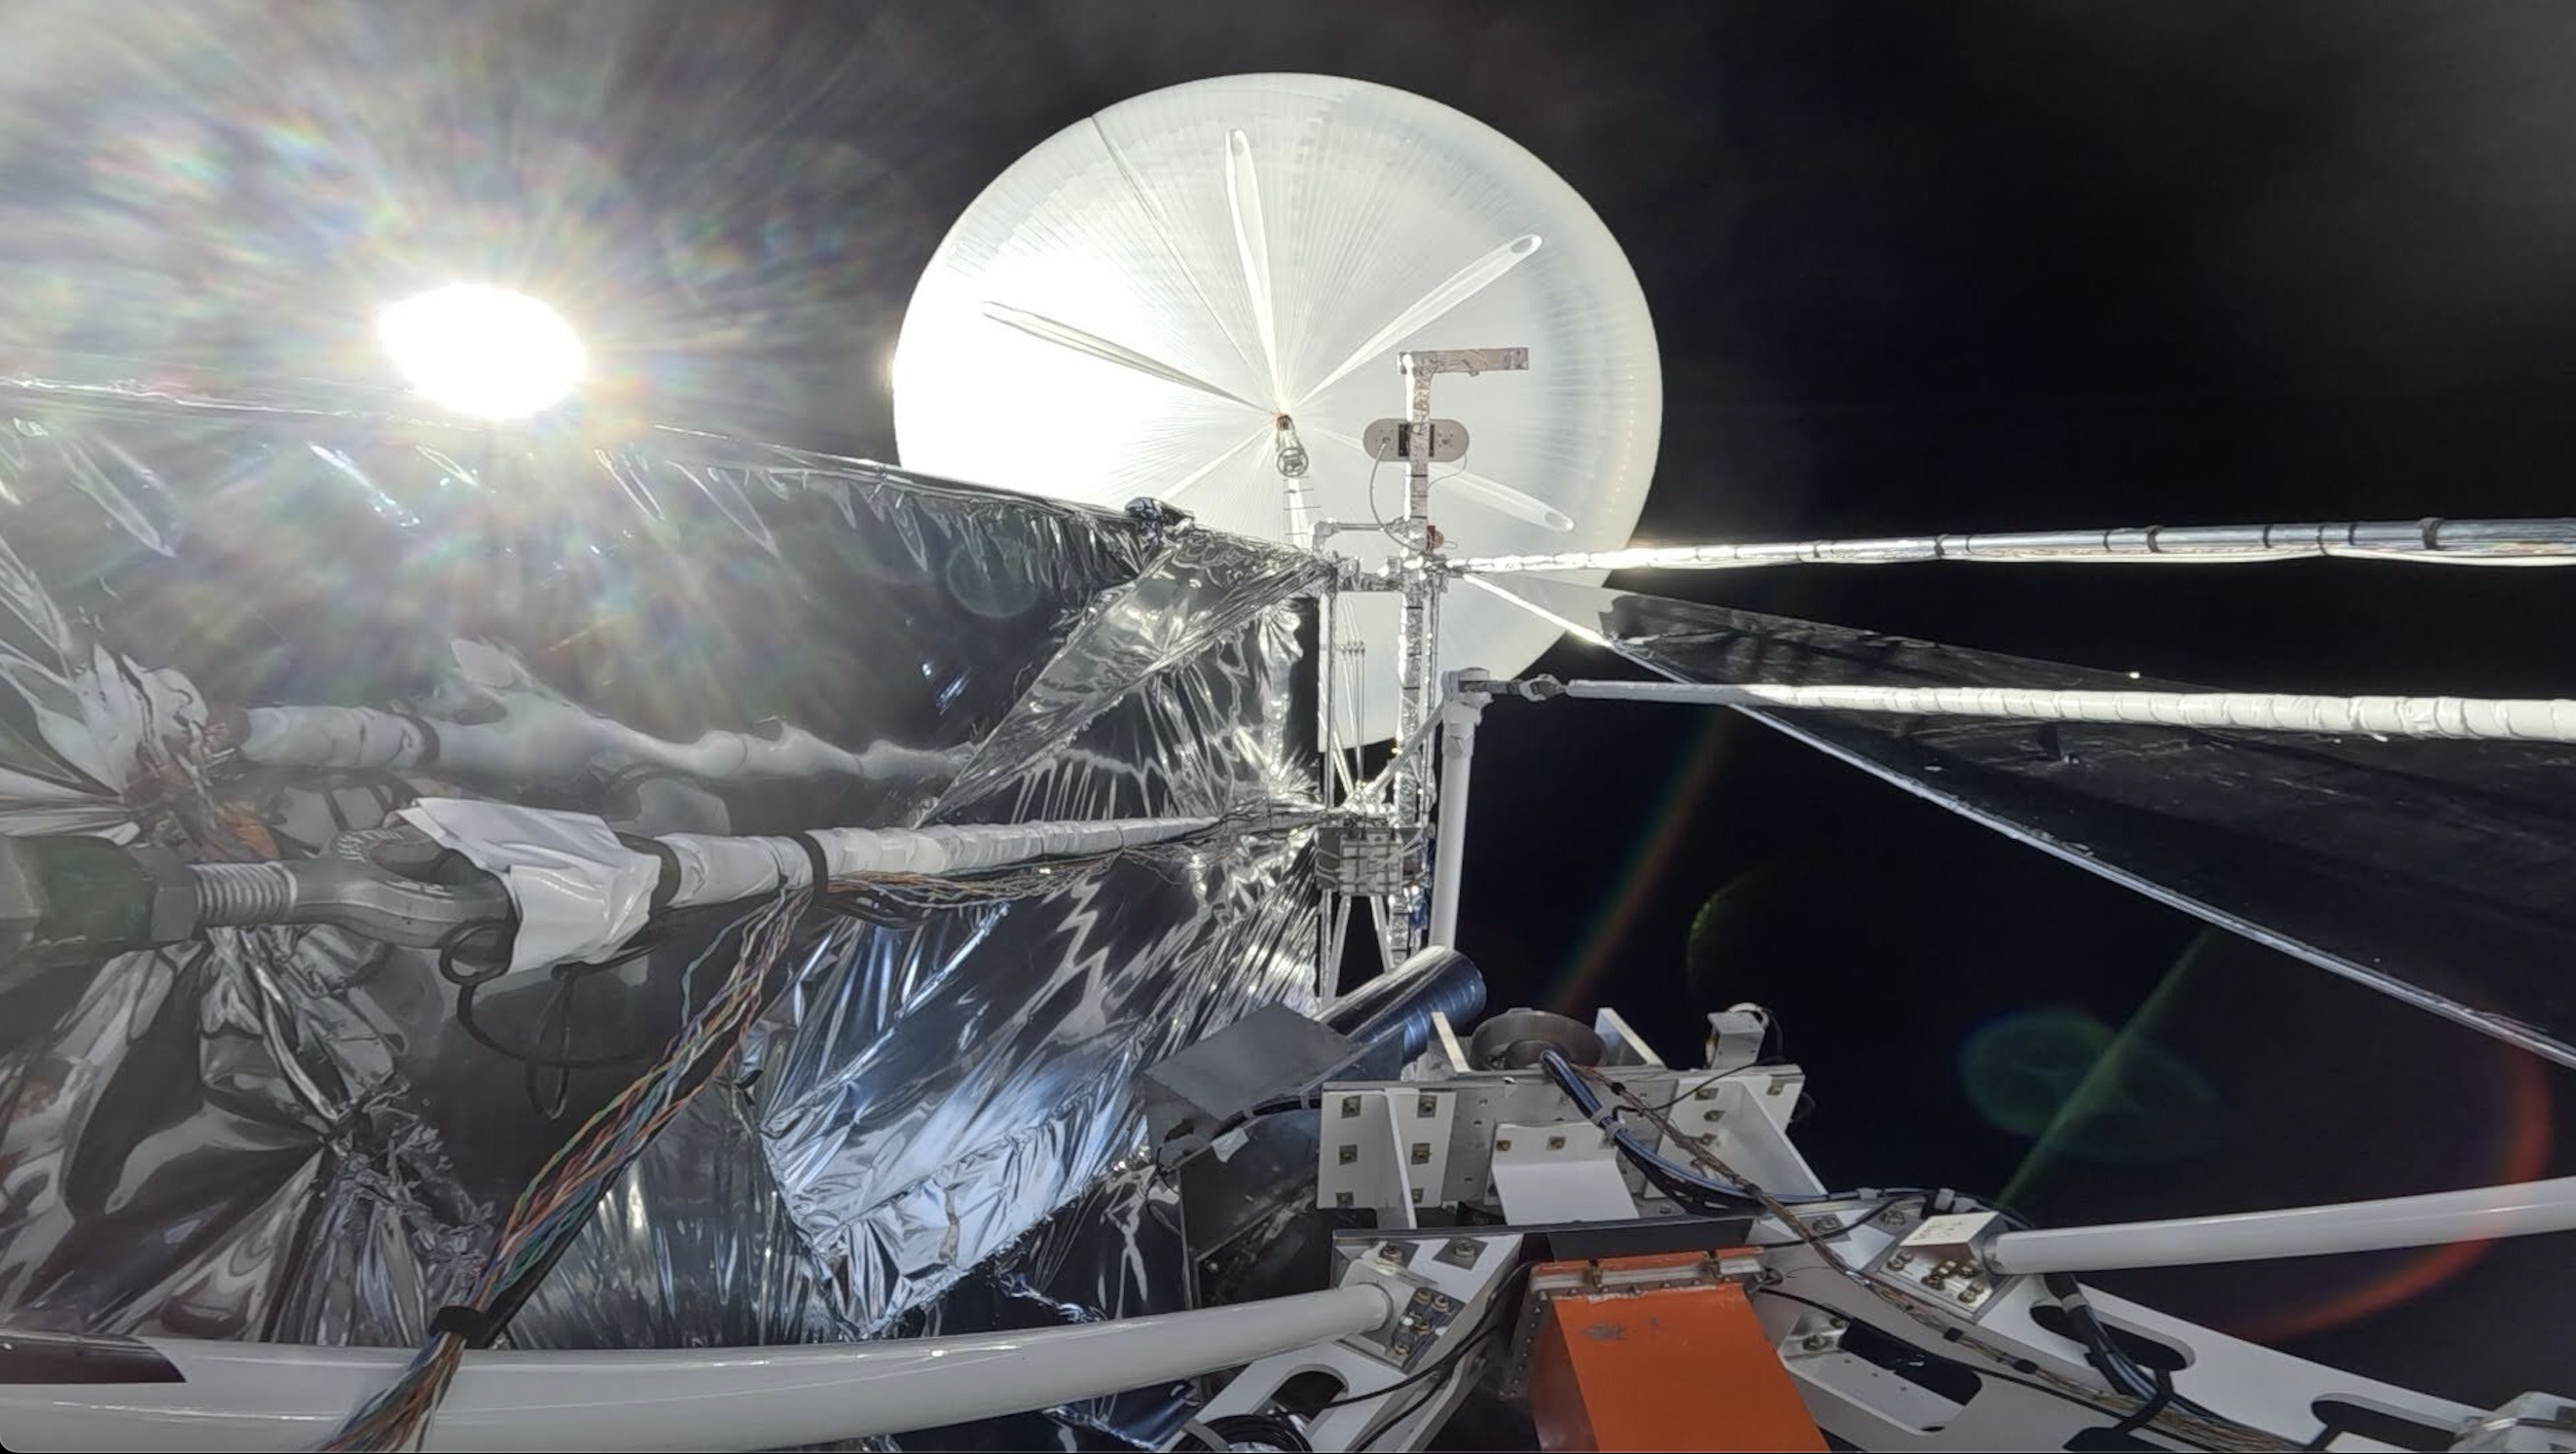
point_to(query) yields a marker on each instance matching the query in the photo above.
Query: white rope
(2430, 717)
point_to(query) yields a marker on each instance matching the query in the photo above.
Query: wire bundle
(559, 1199)
(2140, 1399)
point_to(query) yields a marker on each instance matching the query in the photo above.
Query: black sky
(1968, 266)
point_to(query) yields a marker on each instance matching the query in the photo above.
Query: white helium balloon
(1129, 309)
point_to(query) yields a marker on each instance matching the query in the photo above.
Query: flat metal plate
(1566, 1172)
(1386, 1147)
(1271, 1053)
(1385, 439)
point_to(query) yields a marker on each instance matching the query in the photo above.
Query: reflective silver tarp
(281, 1134)
(2434, 871)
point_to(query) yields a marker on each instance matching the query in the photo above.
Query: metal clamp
(392, 884)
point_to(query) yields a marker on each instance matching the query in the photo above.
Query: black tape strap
(428, 739)
(821, 882)
(2147, 1411)
(666, 882)
(477, 1327)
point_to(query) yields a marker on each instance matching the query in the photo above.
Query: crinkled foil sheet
(2433, 871)
(280, 1134)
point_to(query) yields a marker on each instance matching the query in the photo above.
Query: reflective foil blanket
(288, 1134)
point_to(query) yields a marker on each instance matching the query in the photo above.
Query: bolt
(1503, 1144)
(1705, 1093)
(1421, 1153)
(1706, 1138)
(1349, 1154)
(1974, 1290)
(1837, 1324)
(1555, 1143)
(1813, 1342)
(1426, 1106)
(1350, 1105)
(1417, 1196)
(1829, 1223)
(1969, 1294)
(1341, 1199)
(1900, 1262)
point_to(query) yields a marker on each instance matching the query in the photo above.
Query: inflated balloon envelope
(1136, 306)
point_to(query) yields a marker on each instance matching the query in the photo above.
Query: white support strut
(2446, 542)
(257, 1396)
(1459, 714)
(716, 870)
(2474, 1215)
(2476, 718)
(581, 894)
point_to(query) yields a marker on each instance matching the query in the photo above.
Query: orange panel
(1683, 1367)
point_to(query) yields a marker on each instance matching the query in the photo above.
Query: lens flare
(484, 351)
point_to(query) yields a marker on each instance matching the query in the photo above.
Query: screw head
(1829, 1223)
(1813, 1342)
(1555, 1143)
(1900, 1262)
(1503, 1144)
(1350, 1105)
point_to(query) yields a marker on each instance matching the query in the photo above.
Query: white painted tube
(1458, 721)
(715, 870)
(251, 1396)
(2441, 717)
(2451, 542)
(2475, 1215)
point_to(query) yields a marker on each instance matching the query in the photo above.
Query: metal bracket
(1943, 1262)
(1424, 362)
(1361, 856)
(1392, 439)
(380, 882)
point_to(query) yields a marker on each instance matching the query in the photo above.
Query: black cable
(1689, 1188)
(2161, 1395)
(1441, 1364)
(566, 976)
(1981, 1369)
(456, 941)
(509, 1298)
(1272, 1431)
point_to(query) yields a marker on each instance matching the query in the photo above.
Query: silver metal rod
(2490, 719)
(2447, 542)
